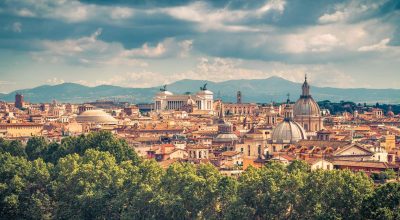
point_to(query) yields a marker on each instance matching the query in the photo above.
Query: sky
(139, 43)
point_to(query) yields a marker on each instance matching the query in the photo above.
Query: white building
(166, 100)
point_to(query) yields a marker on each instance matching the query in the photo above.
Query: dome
(306, 106)
(96, 116)
(287, 132)
(390, 114)
(226, 138)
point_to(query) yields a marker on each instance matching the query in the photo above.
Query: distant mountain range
(253, 90)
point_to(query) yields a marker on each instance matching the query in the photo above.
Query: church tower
(307, 112)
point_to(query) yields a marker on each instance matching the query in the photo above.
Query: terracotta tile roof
(284, 156)
(229, 153)
(323, 144)
(197, 147)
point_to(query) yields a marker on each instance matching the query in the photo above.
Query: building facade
(166, 100)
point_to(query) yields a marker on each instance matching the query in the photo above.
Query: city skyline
(342, 44)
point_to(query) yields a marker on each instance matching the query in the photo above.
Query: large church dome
(96, 117)
(288, 132)
(306, 106)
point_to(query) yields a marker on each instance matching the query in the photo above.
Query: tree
(101, 141)
(13, 147)
(384, 203)
(37, 199)
(143, 196)
(24, 188)
(87, 186)
(335, 194)
(12, 182)
(266, 193)
(35, 147)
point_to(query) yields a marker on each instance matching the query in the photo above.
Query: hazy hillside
(253, 90)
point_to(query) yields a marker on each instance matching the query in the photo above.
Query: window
(328, 167)
(248, 150)
(259, 149)
(241, 149)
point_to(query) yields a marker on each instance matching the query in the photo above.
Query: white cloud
(55, 81)
(147, 51)
(25, 13)
(121, 13)
(90, 50)
(17, 27)
(310, 42)
(330, 18)
(71, 11)
(277, 5)
(323, 42)
(6, 82)
(328, 40)
(382, 45)
(350, 10)
(209, 18)
(186, 46)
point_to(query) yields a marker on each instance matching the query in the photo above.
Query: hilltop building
(166, 100)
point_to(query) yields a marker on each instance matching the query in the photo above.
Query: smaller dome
(288, 132)
(226, 138)
(96, 117)
(390, 114)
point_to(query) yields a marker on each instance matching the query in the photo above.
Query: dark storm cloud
(151, 22)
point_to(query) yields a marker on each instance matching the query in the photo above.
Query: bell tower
(239, 97)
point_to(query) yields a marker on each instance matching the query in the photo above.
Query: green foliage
(384, 175)
(35, 147)
(24, 188)
(98, 176)
(14, 147)
(102, 141)
(383, 203)
(86, 186)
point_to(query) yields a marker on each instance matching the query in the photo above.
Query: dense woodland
(347, 106)
(99, 177)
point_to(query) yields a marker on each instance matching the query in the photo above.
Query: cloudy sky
(139, 43)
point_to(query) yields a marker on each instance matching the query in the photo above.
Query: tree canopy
(98, 176)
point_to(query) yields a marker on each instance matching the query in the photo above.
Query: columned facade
(166, 100)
